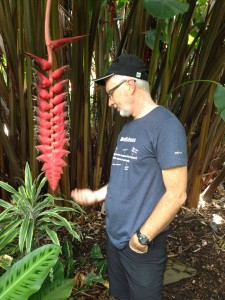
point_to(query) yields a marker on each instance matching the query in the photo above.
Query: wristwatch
(142, 239)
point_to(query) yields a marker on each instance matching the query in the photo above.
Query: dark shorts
(134, 276)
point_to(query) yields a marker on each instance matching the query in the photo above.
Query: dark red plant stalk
(112, 12)
(51, 108)
(147, 53)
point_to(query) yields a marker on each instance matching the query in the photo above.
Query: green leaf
(53, 235)
(9, 238)
(42, 183)
(49, 220)
(92, 277)
(30, 233)
(43, 205)
(27, 275)
(10, 227)
(65, 223)
(5, 204)
(8, 187)
(219, 100)
(58, 290)
(58, 209)
(23, 232)
(96, 252)
(165, 9)
(28, 180)
(6, 212)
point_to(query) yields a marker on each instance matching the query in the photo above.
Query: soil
(196, 240)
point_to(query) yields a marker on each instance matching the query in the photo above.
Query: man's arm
(175, 181)
(88, 197)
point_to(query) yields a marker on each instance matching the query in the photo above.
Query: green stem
(191, 81)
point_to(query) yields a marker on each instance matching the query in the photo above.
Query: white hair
(142, 84)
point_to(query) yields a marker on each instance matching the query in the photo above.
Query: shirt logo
(128, 139)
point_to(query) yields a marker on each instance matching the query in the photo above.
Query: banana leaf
(219, 101)
(165, 9)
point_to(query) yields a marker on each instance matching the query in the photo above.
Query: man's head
(126, 65)
(126, 83)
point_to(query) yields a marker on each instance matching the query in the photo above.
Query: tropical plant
(30, 215)
(26, 276)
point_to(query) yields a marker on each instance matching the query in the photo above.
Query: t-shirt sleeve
(171, 146)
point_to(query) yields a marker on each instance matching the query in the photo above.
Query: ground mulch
(197, 239)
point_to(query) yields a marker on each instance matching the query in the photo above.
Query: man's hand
(84, 196)
(88, 197)
(136, 246)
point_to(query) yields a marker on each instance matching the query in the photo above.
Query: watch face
(143, 240)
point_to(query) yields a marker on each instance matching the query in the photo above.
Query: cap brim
(101, 80)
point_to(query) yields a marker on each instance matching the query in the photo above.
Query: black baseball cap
(127, 65)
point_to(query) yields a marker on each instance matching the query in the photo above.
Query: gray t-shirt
(144, 148)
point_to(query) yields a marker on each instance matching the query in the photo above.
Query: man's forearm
(101, 193)
(162, 215)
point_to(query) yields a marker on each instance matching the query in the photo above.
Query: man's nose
(110, 102)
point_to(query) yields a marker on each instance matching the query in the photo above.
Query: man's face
(119, 96)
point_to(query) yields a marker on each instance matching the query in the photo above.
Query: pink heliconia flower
(51, 107)
(51, 124)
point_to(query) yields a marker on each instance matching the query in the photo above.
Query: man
(147, 183)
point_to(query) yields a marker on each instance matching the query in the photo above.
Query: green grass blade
(27, 275)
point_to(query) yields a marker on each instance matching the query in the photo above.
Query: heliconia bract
(44, 64)
(57, 74)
